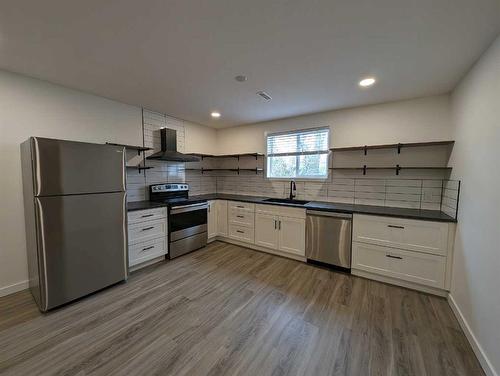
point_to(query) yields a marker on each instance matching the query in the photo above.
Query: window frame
(298, 155)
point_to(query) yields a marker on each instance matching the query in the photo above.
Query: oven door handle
(188, 208)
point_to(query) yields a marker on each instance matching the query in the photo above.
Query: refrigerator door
(82, 245)
(70, 167)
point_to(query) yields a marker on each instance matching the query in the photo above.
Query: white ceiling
(180, 57)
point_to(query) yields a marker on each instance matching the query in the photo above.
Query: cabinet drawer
(410, 266)
(241, 206)
(241, 217)
(146, 230)
(145, 251)
(280, 210)
(414, 235)
(146, 215)
(244, 234)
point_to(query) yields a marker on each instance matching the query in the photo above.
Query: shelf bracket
(364, 170)
(398, 168)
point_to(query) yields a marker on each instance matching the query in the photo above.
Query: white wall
(476, 270)
(200, 139)
(422, 119)
(30, 107)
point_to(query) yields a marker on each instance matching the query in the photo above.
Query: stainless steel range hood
(169, 149)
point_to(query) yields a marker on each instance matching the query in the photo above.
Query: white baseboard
(261, 249)
(476, 346)
(19, 286)
(399, 282)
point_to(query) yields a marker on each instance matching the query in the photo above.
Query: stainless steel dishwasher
(328, 238)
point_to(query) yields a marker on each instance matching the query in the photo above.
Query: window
(299, 154)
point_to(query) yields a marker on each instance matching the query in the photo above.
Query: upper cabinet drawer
(414, 235)
(241, 206)
(283, 211)
(146, 215)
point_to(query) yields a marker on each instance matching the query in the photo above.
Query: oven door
(187, 220)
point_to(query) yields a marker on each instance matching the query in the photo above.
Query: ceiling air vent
(264, 95)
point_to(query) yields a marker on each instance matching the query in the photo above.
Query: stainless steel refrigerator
(76, 222)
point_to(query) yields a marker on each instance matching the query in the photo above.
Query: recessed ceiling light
(215, 114)
(241, 78)
(365, 82)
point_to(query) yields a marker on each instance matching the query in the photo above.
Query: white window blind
(298, 154)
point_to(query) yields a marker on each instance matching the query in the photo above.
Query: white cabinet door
(221, 217)
(266, 230)
(292, 235)
(212, 219)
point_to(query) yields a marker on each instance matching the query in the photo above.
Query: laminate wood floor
(227, 310)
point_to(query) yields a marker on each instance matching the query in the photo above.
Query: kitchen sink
(286, 201)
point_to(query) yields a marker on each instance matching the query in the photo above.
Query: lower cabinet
(145, 251)
(241, 233)
(292, 235)
(147, 236)
(217, 218)
(266, 230)
(286, 234)
(409, 266)
(221, 208)
(412, 253)
(212, 219)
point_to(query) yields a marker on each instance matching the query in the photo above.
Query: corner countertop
(429, 215)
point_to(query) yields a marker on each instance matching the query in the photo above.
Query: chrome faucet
(293, 189)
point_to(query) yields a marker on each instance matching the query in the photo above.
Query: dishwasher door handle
(329, 214)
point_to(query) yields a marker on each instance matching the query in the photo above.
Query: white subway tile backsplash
(385, 189)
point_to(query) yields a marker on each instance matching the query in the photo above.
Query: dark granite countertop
(429, 215)
(143, 205)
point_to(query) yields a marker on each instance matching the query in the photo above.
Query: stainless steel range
(187, 218)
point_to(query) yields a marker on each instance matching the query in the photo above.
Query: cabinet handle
(241, 232)
(240, 206)
(240, 216)
(394, 257)
(148, 228)
(150, 247)
(146, 215)
(279, 225)
(394, 226)
(275, 224)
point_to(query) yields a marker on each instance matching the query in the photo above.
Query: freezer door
(82, 245)
(70, 167)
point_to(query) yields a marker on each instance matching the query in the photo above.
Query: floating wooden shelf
(202, 156)
(140, 168)
(139, 149)
(202, 170)
(397, 168)
(394, 146)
